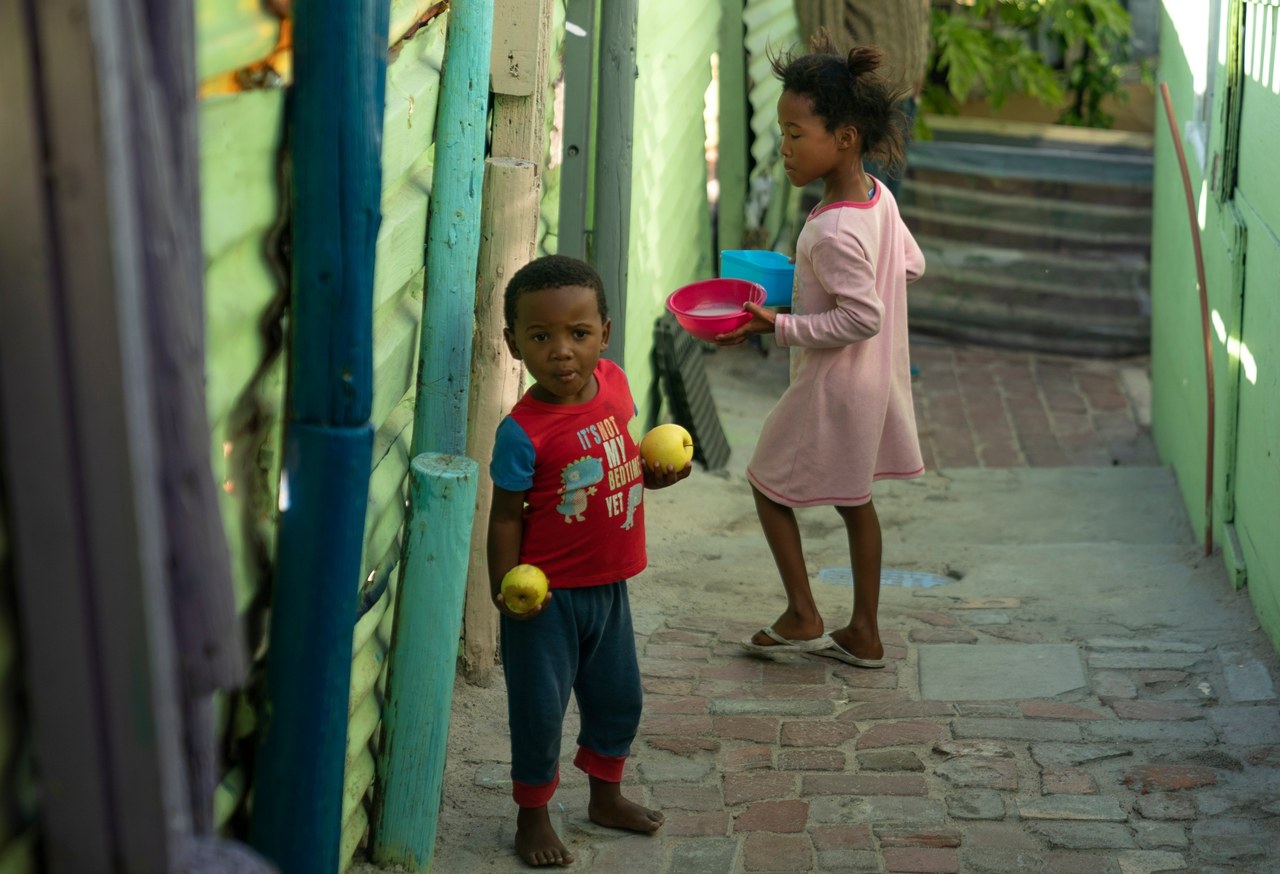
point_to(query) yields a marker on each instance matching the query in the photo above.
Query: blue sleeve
(512, 464)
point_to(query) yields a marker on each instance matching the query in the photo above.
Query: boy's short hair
(552, 271)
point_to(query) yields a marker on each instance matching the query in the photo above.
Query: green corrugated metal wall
(770, 28)
(670, 242)
(246, 288)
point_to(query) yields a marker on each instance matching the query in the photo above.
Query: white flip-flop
(785, 645)
(836, 651)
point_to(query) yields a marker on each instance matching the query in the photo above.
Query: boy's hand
(501, 604)
(761, 323)
(661, 477)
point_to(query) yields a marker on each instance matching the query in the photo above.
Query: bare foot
(862, 647)
(791, 627)
(609, 808)
(536, 841)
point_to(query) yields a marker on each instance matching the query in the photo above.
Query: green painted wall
(1244, 301)
(245, 291)
(671, 236)
(670, 215)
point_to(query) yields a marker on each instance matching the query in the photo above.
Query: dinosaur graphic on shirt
(580, 478)
(634, 496)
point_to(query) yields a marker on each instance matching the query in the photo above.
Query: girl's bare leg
(862, 635)
(801, 620)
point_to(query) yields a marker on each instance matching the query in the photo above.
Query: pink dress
(847, 418)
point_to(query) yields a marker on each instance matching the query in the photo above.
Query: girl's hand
(761, 323)
(501, 604)
(660, 478)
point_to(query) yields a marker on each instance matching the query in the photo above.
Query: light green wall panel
(670, 242)
(1260, 108)
(770, 28)
(240, 140)
(1248, 426)
(1258, 447)
(1177, 360)
(240, 137)
(233, 34)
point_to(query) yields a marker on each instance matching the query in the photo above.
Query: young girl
(847, 418)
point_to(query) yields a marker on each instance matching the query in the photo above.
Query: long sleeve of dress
(846, 272)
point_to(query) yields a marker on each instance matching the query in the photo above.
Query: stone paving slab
(952, 672)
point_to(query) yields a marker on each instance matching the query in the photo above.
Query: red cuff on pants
(608, 768)
(529, 795)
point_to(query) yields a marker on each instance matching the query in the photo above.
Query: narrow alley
(1072, 686)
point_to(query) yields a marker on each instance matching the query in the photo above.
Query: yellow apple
(666, 445)
(523, 588)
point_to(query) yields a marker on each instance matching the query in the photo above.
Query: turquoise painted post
(424, 648)
(335, 134)
(453, 233)
(425, 643)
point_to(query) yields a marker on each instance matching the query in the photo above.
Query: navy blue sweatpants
(581, 641)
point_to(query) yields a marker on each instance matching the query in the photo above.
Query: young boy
(568, 498)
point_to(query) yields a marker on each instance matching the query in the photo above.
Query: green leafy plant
(1060, 52)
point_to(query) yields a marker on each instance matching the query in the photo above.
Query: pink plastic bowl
(714, 306)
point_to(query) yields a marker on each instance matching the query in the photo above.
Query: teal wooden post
(424, 647)
(335, 122)
(453, 233)
(425, 643)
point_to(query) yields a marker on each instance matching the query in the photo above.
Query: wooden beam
(453, 234)
(733, 132)
(579, 109)
(510, 222)
(611, 228)
(415, 721)
(508, 241)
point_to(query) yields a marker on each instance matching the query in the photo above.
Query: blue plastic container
(773, 270)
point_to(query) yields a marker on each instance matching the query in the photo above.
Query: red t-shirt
(583, 484)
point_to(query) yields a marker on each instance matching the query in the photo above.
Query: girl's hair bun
(864, 59)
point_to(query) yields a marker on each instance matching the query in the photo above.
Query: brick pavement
(984, 407)
(803, 764)
(1167, 758)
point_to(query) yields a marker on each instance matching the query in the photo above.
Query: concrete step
(1053, 214)
(1036, 236)
(1035, 161)
(1015, 299)
(1116, 275)
(1042, 233)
